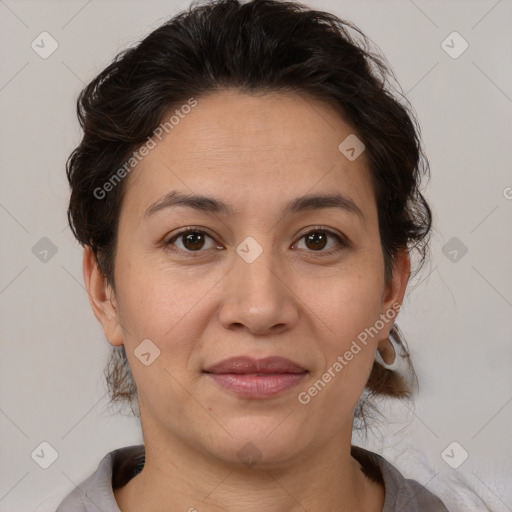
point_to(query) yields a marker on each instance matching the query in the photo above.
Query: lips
(248, 365)
(256, 378)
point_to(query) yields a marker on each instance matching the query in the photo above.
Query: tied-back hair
(255, 47)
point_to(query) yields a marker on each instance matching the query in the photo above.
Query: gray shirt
(119, 466)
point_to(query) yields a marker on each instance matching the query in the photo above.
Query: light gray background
(457, 318)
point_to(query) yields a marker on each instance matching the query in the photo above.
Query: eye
(317, 239)
(192, 240)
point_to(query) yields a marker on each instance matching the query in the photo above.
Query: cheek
(347, 302)
(348, 309)
(169, 309)
(358, 307)
(163, 303)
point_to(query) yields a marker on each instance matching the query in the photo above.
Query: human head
(258, 47)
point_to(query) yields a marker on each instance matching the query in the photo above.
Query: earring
(394, 365)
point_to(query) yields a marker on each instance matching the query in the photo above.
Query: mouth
(247, 377)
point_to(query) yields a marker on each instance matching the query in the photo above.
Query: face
(260, 276)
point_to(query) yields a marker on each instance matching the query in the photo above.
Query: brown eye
(318, 239)
(191, 240)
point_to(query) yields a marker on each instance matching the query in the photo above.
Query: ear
(394, 289)
(101, 298)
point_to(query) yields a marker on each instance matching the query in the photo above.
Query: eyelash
(316, 229)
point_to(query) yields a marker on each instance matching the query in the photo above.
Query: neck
(177, 476)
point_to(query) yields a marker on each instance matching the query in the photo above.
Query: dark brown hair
(255, 47)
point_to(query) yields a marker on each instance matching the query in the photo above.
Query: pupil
(193, 240)
(315, 238)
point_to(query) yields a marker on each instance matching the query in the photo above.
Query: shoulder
(96, 492)
(401, 493)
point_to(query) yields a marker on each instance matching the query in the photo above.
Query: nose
(259, 297)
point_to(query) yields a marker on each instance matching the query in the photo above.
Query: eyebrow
(215, 206)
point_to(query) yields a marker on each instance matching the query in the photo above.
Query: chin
(259, 441)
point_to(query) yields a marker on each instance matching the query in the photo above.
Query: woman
(247, 192)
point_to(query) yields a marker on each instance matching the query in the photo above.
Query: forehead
(259, 150)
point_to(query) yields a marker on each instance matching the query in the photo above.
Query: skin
(255, 153)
